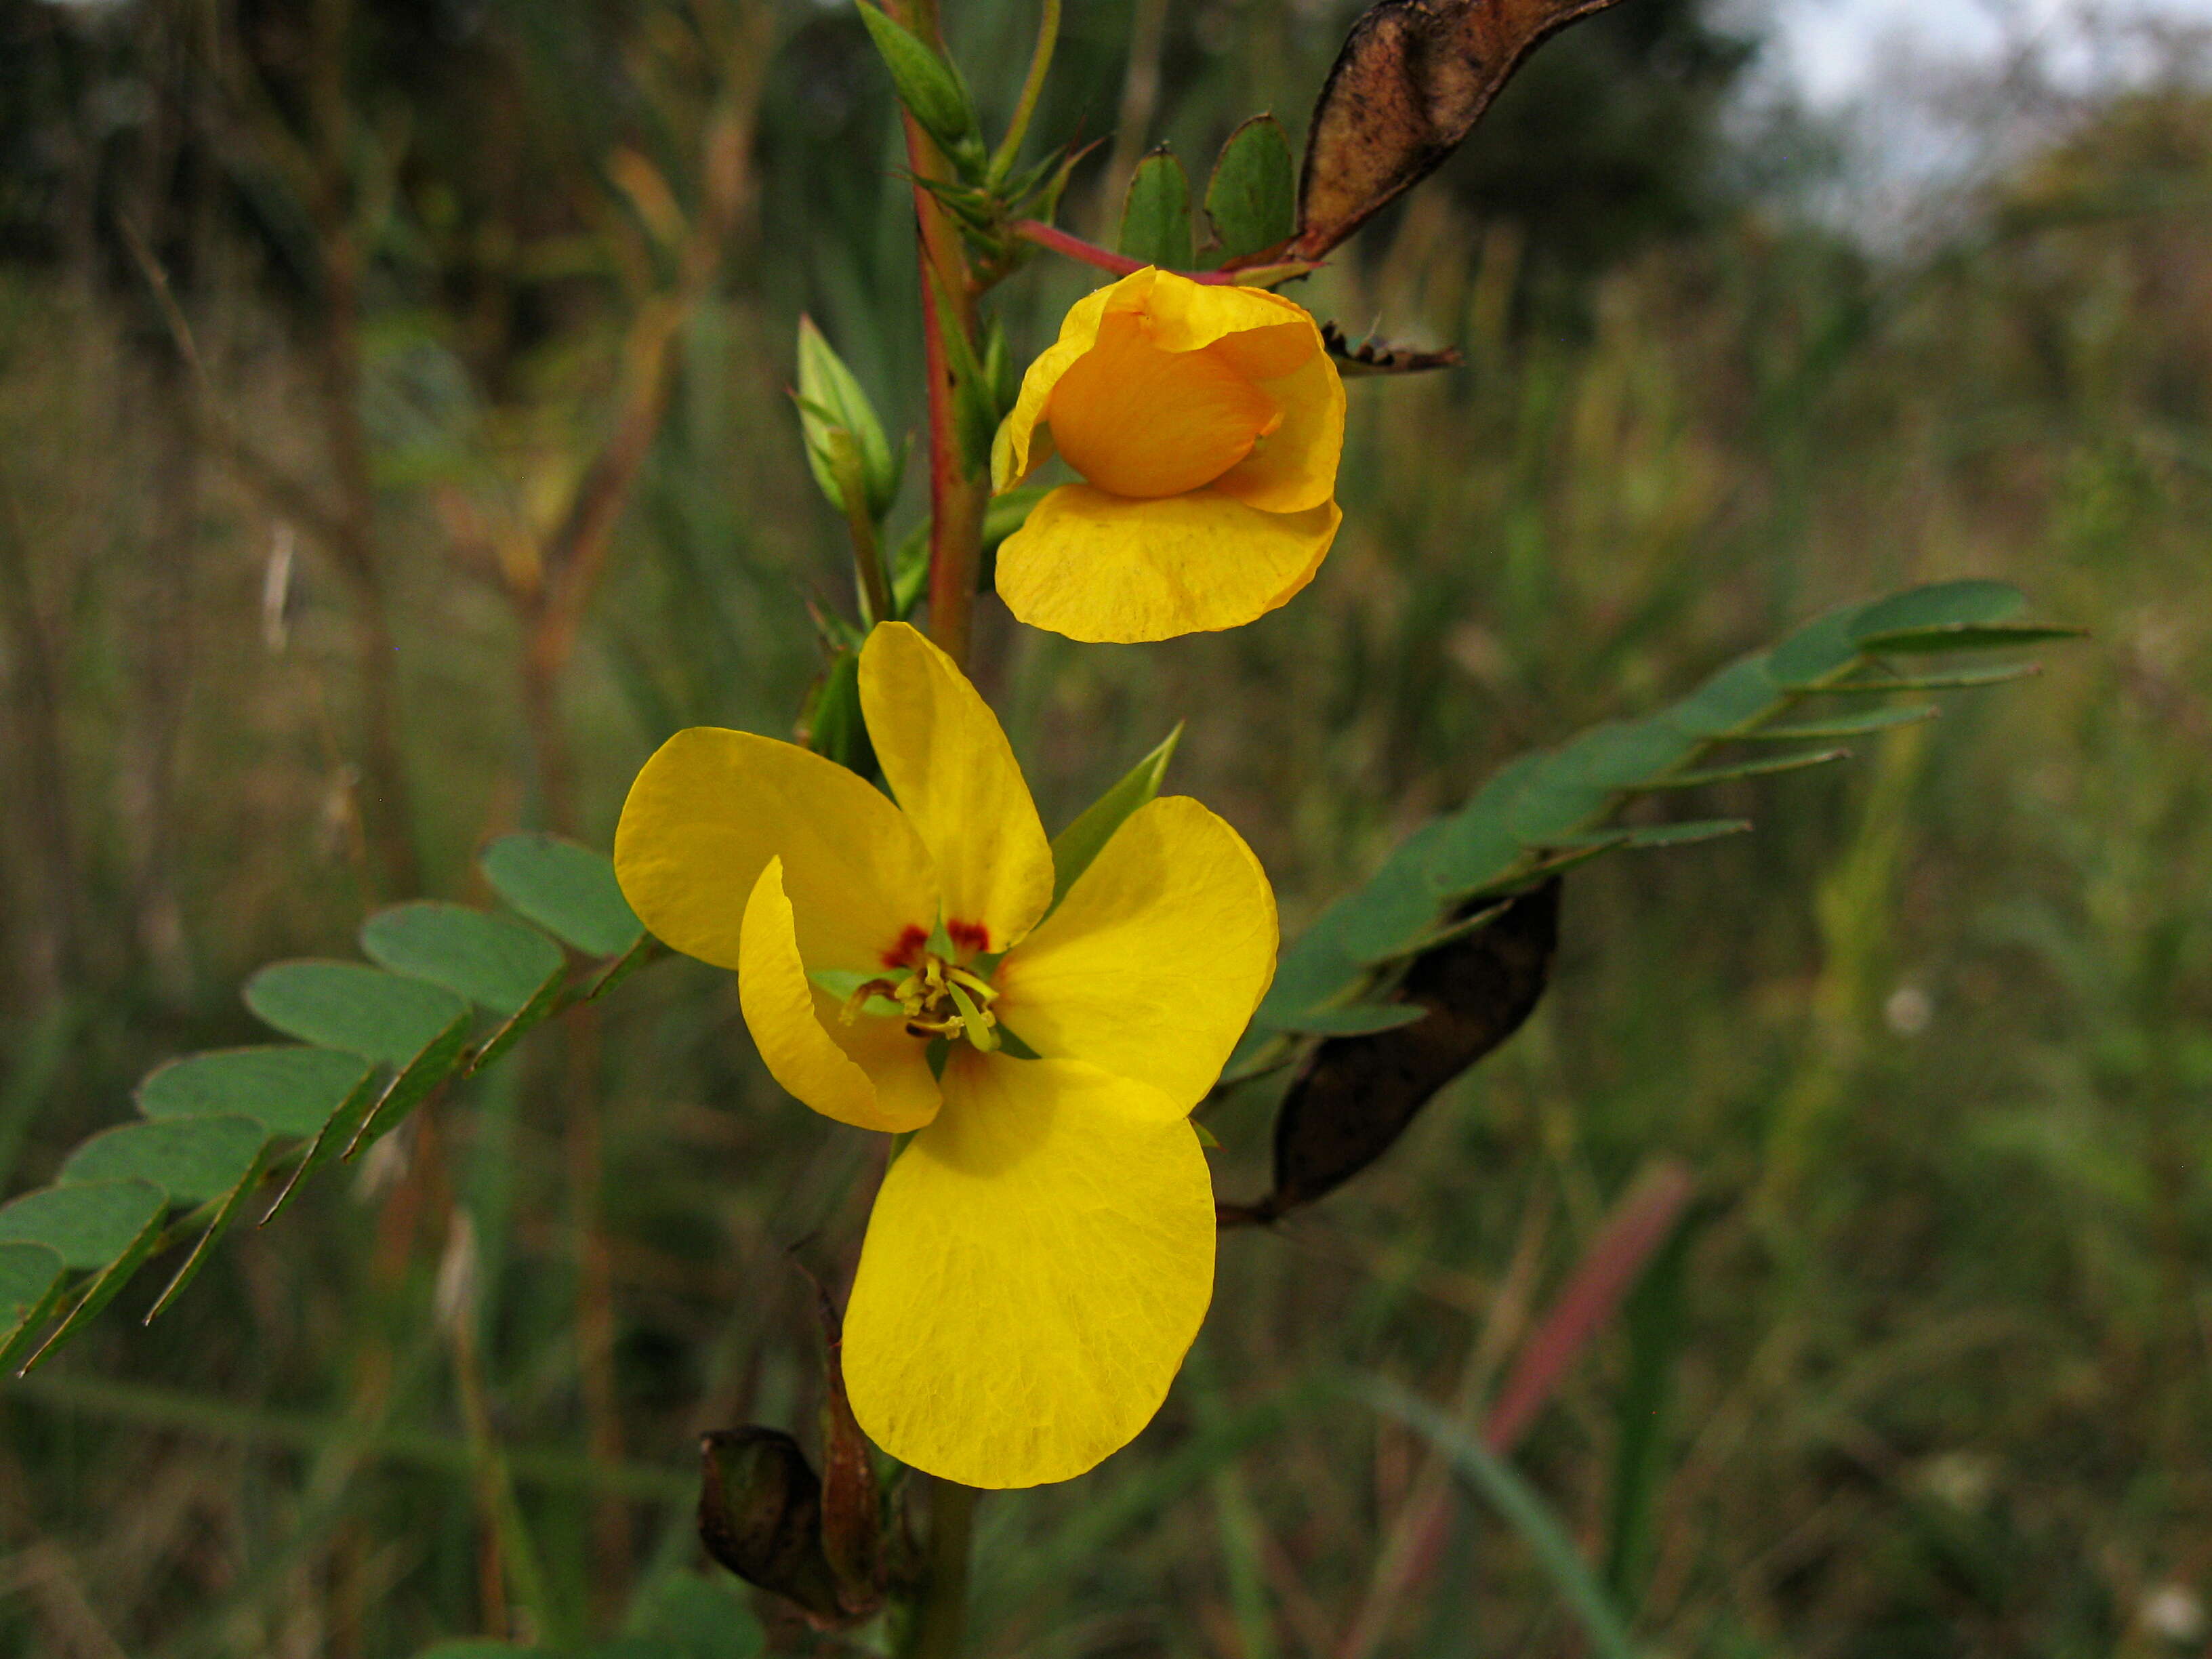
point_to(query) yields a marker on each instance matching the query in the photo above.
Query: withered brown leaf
(1413, 78)
(1374, 356)
(1355, 1096)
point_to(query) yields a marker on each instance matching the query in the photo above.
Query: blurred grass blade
(1658, 1333)
(1640, 1224)
(1520, 1506)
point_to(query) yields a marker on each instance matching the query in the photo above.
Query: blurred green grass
(1937, 1041)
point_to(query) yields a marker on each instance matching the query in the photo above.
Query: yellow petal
(878, 1080)
(1020, 449)
(1138, 420)
(1187, 316)
(1039, 1260)
(1181, 316)
(712, 807)
(1293, 468)
(948, 762)
(1098, 568)
(1152, 964)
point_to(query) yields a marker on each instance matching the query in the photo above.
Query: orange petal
(1138, 420)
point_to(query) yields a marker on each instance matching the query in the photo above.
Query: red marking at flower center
(908, 948)
(972, 937)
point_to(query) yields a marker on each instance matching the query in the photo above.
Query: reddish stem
(1121, 264)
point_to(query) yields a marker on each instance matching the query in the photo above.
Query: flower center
(935, 997)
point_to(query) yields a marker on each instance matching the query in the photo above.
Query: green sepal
(834, 727)
(1075, 847)
(1252, 199)
(1155, 213)
(830, 399)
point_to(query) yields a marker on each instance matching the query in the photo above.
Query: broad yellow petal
(712, 807)
(1038, 1262)
(1293, 468)
(948, 762)
(879, 1081)
(1152, 964)
(1103, 567)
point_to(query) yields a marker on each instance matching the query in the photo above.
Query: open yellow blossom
(1041, 1251)
(1207, 423)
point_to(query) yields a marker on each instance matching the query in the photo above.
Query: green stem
(940, 1628)
(1009, 147)
(867, 544)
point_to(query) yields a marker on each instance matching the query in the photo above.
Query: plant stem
(940, 1630)
(1009, 147)
(956, 495)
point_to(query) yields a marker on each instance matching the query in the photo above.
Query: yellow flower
(1207, 423)
(1042, 1252)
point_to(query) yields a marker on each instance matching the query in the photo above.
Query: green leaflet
(1252, 199)
(568, 889)
(346, 1006)
(493, 961)
(1155, 213)
(1545, 811)
(287, 1091)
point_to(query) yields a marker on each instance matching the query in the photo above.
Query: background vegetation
(393, 447)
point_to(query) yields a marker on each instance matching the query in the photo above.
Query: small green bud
(926, 84)
(760, 1515)
(831, 400)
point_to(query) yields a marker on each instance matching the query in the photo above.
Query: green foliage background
(1935, 1039)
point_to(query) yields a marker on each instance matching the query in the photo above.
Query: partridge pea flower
(1207, 423)
(1041, 1250)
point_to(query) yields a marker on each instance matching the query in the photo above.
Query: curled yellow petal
(712, 807)
(1103, 567)
(1262, 338)
(1038, 1262)
(1152, 964)
(871, 1075)
(947, 760)
(1138, 421)
(1293, 468)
